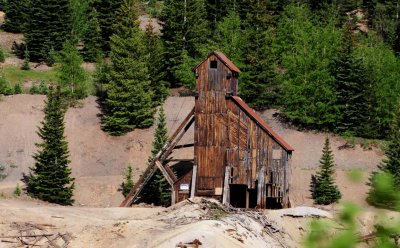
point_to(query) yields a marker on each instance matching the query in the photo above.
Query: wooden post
(247, 198)
(226, 193)
(194, 178)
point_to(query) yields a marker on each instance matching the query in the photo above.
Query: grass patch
(16, 75)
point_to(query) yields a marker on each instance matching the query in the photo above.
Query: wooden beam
(184, 122)
(164, 172)
(194, 178)
(183, 146)
(225, 195)
(179, 160)
(161, 156)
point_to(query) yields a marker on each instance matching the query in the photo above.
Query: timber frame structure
(238, 158)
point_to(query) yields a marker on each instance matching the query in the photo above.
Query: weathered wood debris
(29, 235)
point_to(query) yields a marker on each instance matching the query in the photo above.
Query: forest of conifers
(327, 65)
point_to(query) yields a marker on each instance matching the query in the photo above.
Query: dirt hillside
(98, 159)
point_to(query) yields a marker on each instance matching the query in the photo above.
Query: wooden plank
(194, 180)
(225, 195)
(165, 173)
(182, 125)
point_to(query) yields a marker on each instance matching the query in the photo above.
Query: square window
(214, 64)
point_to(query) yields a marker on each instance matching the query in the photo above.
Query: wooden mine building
(238, 158)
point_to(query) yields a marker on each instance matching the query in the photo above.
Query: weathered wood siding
(212, 85)
(228, 136)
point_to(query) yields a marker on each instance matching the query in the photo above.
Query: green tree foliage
(25, 66)
(323, 188)
(50, 178)
(18, 88)
(92, 39)
(184, 30)
(383, 71)
(2, 56)
(161, 133)
(5, 86)
(71, 76)
(17, 191)
(107, 17)
(159, 187)
(259, 86)
(385, 19)
(390, 166)
(49, 25)
(304, 51)
(128, 183)
(325, 234)
(15, 18)
(353, 89)
(129, 94)
(101, 77)
(155, 59)
(79, 19)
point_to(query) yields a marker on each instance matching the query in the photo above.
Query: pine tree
(107, 17)
(15, 18)
(128, 183)
(71, 76)
(50, 179)
(389, 166)
(129, 95)
(161, 133)
(353, 89)
(258, 81)
(49, 25)
(323, 188)
(92, 39)
(79, 19)
(159, 187)
(155, 59)
(184, 30)
(17, 191)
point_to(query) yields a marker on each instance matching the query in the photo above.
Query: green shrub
(17, 191)
(18, 88)
(5, 87)
(34, 89)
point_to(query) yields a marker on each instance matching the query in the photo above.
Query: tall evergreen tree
(159, 188)
(79, 19)
(49, 25)
(390, 166)
(92, 39)
(71, 76)
(129, 94)
(258, 84)
(107, 16)
(323, 188)
(15, 18)
(50, 178)
(184, 30)
(155, 60)
(353, 88)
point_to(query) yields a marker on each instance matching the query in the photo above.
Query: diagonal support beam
(165, 173)
(160, 158)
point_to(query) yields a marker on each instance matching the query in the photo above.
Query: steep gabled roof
(253, 115)
(223, 59)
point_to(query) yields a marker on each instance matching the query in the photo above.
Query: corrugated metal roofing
(262, 123)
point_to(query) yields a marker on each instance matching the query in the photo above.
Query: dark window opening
(238, 195)
(214, 64)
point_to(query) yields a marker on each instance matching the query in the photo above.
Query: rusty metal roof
(252, 114)
(224, 60)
